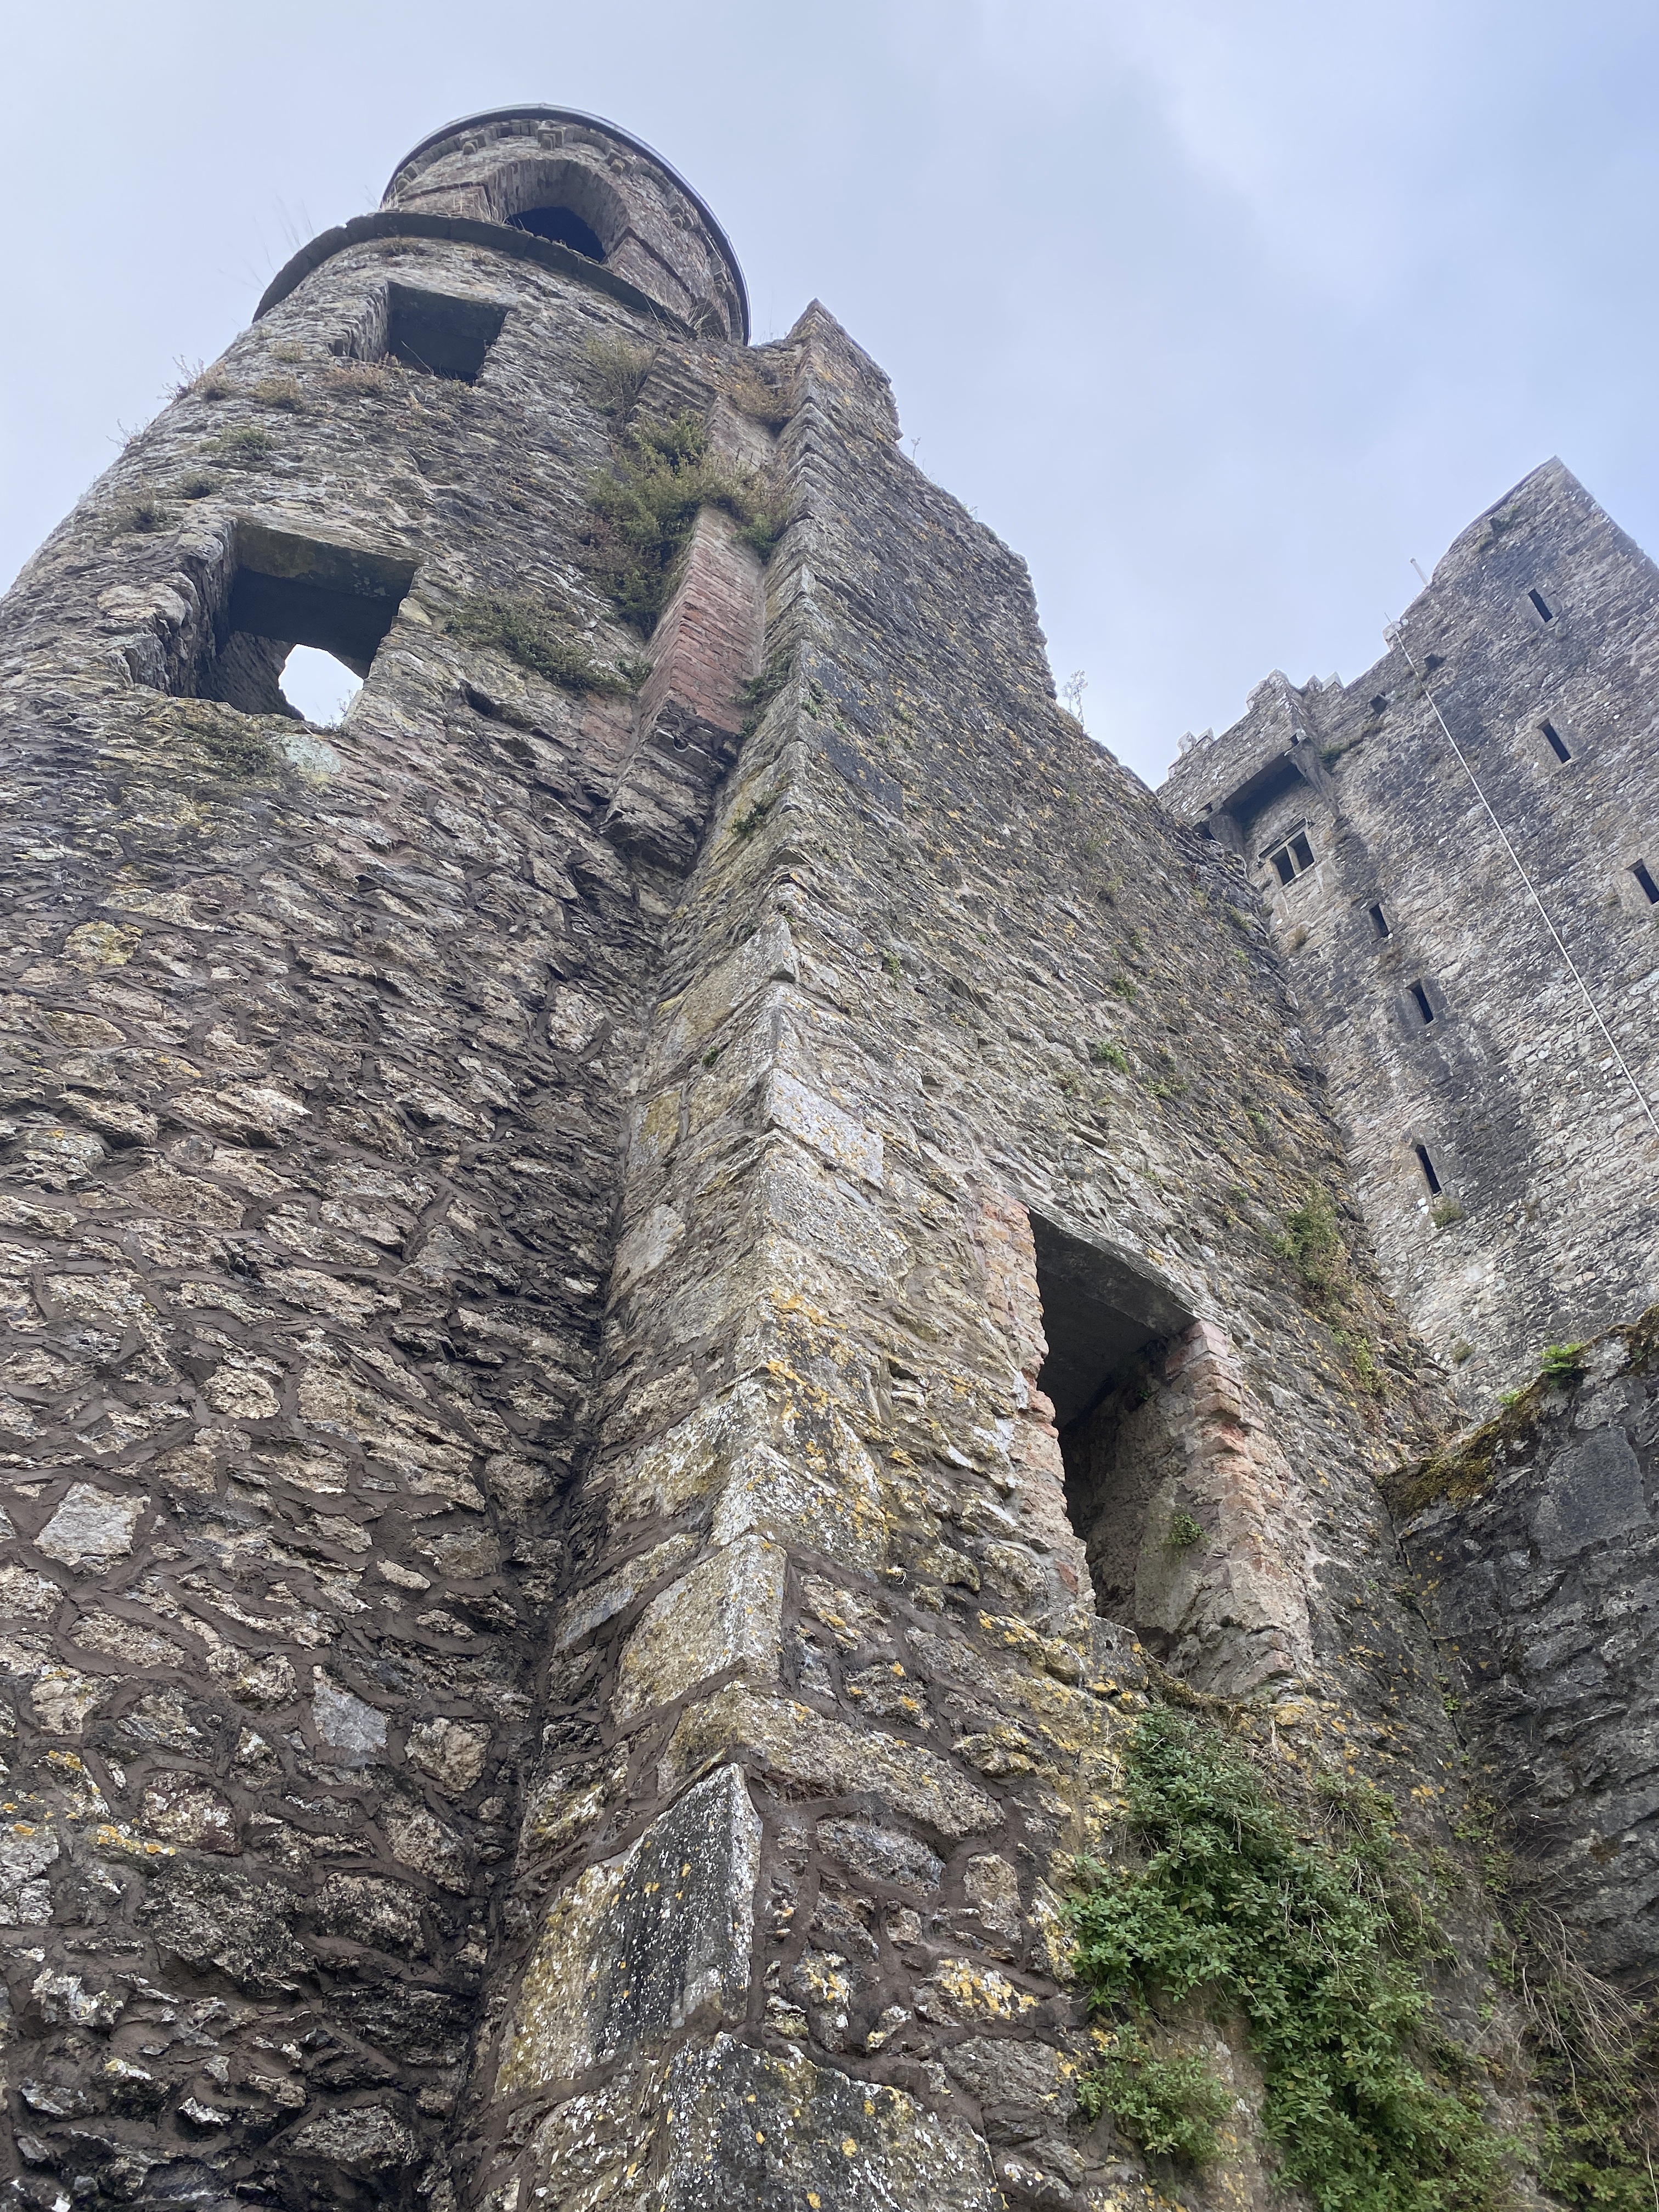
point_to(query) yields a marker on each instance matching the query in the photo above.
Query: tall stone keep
(1458, 851)
(646, 1289)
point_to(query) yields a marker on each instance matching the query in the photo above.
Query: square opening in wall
(1292, 858)
(436, 332)
(284, 591)
(1108, 1321)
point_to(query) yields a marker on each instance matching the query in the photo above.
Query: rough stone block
(728, 1612)
(831, 1756)
(844, 1142)
(654, 1942)
(731, 2129)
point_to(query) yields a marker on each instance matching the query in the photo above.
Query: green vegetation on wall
(644, 503)
(1316, 1931)
(527, 635)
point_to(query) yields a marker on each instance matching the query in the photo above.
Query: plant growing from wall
(645, 504)
(1315, 1931)
(526, 635)
(758, 692)
(1597, 2055)
(617, 375)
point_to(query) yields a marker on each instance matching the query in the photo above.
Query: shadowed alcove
(1109, 1321)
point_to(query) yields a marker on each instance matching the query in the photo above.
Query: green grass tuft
(645, 504)
(526, 635)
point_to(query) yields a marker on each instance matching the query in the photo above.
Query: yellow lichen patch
(100, 945)
(108, 1836)
(977, 1993)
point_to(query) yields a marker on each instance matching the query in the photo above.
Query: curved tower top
(588, 185)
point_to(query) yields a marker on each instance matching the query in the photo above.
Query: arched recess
(1186, 1506)
(533, 193)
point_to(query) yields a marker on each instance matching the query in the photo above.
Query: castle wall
(1537, 1547)
(318, 1048)
(1544, 1226)
(825, 1543)
(572, 1248)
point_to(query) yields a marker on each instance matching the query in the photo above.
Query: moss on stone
(531, 638)
(1463, 1469)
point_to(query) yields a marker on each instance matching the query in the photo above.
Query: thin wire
(1396, 632)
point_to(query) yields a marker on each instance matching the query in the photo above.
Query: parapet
(586, 185)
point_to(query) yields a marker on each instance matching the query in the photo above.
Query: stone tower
(647, 1288)
(1458, 854)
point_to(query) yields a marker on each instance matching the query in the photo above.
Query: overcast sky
(1218, 311)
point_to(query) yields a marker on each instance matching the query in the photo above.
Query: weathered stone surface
(727, 2126)
(1540, 1585)
(1429, 791)
(726, 1613)
(655, 1943)
(91, 1527)
(637, 1284)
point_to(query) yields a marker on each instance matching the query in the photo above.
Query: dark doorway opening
(563, 226)
(437, 332)
(1110, 1323)
(286, 591)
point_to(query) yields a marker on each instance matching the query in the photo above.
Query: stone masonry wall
(1538, 1553)
(551, 1654)
(317, 1047)
(1547, 1220)
(823, 1575)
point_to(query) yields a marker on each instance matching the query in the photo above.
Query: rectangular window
(1545, 611)
(1379, 920)
(440, 333)
(1427, 1166)
(1557, 744)
(1649, 889)
(284, 591)
(1293, 859)
(1421, 998)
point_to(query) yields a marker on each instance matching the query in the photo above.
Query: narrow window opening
(1109, 1327)
(443, 335)
(1546, 612)
(1649, 889)
(1557, 744)
(563, 226)
(1427, 1166)
(1421, 997)
(1379, 920)
(1286, 866)
(1302, 853)
(285, 592)
(319, 686)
